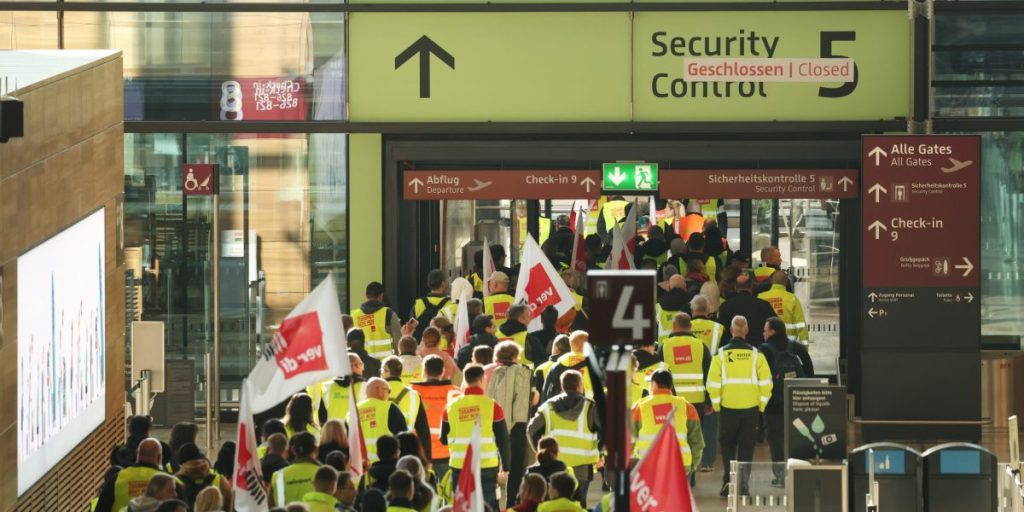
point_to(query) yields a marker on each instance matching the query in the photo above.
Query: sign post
(921, 307)
(630, 177)
(622, 310)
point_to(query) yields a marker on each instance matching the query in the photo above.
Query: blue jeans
(710, 428)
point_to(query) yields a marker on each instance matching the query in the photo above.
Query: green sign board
(665, 44)
(622, 66)
(489, 66)
(630, 177)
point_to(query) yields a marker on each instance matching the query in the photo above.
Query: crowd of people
(728, 334)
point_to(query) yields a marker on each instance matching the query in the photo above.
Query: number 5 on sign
(621, 306)
(638, 322)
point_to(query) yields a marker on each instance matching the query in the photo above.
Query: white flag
(462, 321)
(578, 262)
(540, 285)
(308, 349)
(250, 492)
(623, 244)
(469, 496)
(488, 267)
(356, 444)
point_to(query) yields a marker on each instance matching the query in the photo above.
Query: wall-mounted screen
(61, 346)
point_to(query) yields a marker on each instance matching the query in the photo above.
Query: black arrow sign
(424, 46)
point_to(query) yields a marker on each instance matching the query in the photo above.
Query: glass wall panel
(1002, 224)
(282, 227)
(978, 65)
(222, 66)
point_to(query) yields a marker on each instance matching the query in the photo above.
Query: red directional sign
(759, 183)
(512, 184)
(921, 197)
(199, 179)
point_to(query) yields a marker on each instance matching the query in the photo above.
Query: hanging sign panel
(513, 184)
(760, 183)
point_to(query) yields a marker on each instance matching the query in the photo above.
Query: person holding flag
(539, 286)
(651, 413)
(469, 495)
(462, 416)
(498, 300)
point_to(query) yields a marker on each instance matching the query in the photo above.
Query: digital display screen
(61, 346)
(887, 462)
(960, 462)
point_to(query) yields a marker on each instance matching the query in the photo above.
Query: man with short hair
(379, 323)
(747, 305)
(432, 304)
(457, 425)
(771, 261)
(559, 346)
(435, 394)
(650, 413)
(408, 401)
(710, 332)
(293, 482)
(378, 415)
(573, 420)
(787, 307)
(497, 303)
(739, 385)
(515, 329)
(133, 480)
(787, 360)
(401, 490)
(138, 430)
(274, 460)
(676, 300)
(688, 360)
(321, 498)
(356, 339)
(484, 331)
(337, 392)
(576, 359)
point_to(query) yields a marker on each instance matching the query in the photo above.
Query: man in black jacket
(483, 334)
(514, 329)
(745, 304)
(357, 345)
(776, 343)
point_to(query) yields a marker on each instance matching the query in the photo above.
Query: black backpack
(193, 487)
(429, 312)
(786, 365)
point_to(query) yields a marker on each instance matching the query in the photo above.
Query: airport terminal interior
(788, 235)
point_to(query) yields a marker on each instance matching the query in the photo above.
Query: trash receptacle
(898, 473)
(960, 477)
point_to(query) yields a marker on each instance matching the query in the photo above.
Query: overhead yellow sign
(618, 66)
(489, 66)
(669, 46)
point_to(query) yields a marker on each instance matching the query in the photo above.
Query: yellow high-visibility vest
(572, 359)
(577, 445)
(665, 317)
(520, 339)
(462, 414)
(787, 307)
(654, 411)
(131, 483)
(739, 379)
(336, 399)
(373, 422)
(374, 326)
(497, 307)
(293, 482)
(410, 402)
(684, 357)
(708, 331)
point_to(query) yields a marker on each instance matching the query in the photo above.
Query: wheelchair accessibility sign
(199, 179)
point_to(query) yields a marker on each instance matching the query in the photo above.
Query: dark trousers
(489, 482)
(584, 474)
(696, 463)
(440, 467)
(518, 466)
(776, 433)
(737, 434)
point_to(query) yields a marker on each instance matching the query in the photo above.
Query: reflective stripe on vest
(665, 318)
(373, 420)
(374, 326)
(293, 482)
(572, 359)
(520, 339)
(336, 399)
(612, 211)
(462, 414)
(131, 483)
(750, 394)
(654, 410)
(409, 404)
(709, 332)
(497, 306)
(577, 445)
(684, 357)
(435, 398)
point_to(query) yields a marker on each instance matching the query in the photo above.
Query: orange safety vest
(435, 396)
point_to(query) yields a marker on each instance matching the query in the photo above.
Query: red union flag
(540, 285)
(469, 496)
(659, 481)
(308, 349)
(250, 493)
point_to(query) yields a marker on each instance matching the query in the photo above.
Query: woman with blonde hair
(333, 437)
(711, 292)
(209, 500)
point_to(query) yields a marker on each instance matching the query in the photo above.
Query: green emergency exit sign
(630, 177)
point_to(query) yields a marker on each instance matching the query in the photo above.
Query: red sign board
(921, 211)
(759, 183)
(262, 99)
(622, 308)
(513, 184)
(199, 179)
